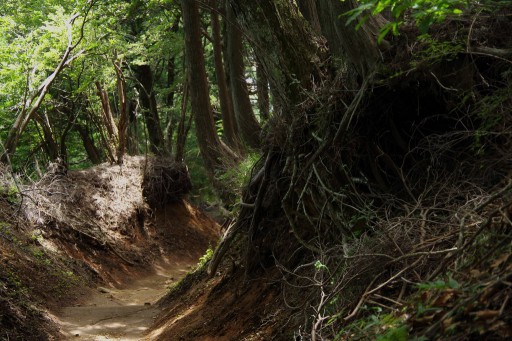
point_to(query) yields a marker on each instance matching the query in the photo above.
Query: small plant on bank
(205, 258)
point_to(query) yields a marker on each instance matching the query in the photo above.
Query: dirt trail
(120, 314)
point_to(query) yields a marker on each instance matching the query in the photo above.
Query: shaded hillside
(381, 206)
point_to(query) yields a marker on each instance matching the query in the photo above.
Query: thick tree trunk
(309, 11)
(231, 135)
(247, 124)
(286, 48)
(149, 108)
(213, 150)
(358, 47)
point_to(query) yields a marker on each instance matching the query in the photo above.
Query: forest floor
(123, 313)
(88, 259)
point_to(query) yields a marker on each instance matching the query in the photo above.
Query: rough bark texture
(229, 124)
(108, 121)
(284, 47)
(247, 124)
(213, 150)
(309, 11)
(358, 47)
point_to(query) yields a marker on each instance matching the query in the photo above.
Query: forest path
(121, 314)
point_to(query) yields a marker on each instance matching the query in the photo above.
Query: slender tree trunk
(90, 148)
(132, 140)
(50, 145)
(171, 67)
(181, 138)
(262, 89)
(247, 124)
(108, 122)
(149, 108)
(213, 150)
(229, 124)
(169, 101)
(123, 113)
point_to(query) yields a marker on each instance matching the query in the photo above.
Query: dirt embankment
(93, 228)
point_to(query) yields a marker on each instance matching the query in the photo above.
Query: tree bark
(123, 113)
(285, 46)
(231, 135)
(309, 11)
(262, 89)
(358, 47)
(149, 108)
(90, 148)
(108, 122)
(213, 150)
(247, 124)
(49, 142)
(181, 137)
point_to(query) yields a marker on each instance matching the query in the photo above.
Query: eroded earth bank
(93, 251)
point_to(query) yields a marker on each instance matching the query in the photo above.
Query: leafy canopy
(423, 12)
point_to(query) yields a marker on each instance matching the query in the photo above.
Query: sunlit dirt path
(120, 314)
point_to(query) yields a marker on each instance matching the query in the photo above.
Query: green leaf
(320, 266)
(453, 284)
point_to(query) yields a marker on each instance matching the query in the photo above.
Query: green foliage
(395, 334)
(440, 284)
(236, 177)
(319, 266)
(205, 258)
(10, 193)
(436, 51)
(377, 326)
(423, 12)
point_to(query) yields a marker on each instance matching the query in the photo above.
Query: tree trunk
(247, 124)
(123, 113)
(90, 147)
(149, 108)
(132, 137)
(262, 89)
(213, 150)
(108, 122)
(169, 101)
(309, 11)
(181, 137)
(286, 49)
(231, 135)
(49, 143)
(358, 47)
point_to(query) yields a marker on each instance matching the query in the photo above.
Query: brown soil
(229, 306)
(123, 257)
(124, 313)
(95, 255)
